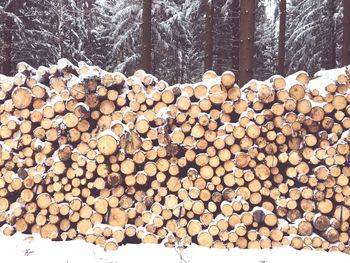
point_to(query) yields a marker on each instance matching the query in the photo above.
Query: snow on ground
(28, 249)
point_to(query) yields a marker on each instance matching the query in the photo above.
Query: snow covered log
(88, 154)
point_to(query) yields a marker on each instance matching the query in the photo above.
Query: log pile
(92, 155)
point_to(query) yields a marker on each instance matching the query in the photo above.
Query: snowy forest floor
(28, 249)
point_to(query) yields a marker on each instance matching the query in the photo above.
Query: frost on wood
(98, 156)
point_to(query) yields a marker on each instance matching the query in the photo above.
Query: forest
(178, 39)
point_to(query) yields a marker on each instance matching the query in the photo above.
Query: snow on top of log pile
(332, 73)
(64, 63)
(323, 78)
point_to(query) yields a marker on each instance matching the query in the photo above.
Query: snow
(5, 147)
(33, 249)
(64, 63)
(291, 80)
(82, 104)
(323, 78)
(331, 74)
(5, 80)
(93, 72)
(74, 80)
(108, 132)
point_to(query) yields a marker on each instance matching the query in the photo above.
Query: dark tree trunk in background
(87, 6)
(60, 30)
(146, 57)
(346, 33)
(6, 50)
(282, 37)
(246, 49)
(235, 44)
(208, 53)
(333, 45)
(6, 65)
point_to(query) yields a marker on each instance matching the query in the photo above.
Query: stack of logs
(92, 155)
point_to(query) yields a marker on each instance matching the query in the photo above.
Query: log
(107, 145)
(92, 155)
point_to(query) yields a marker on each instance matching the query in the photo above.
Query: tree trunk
(235, 44)
(281, 38)
(146, 59)
(332, 60)
(6, 65)
(208, 60)
(246, 49)
(6, 51)
(87, 7)
(346, 33)
(60, 29)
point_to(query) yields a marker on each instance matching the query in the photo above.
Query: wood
(208, 163)
(107, 145)
(346, 34)
(246, 48)
(146, 54)
(228, 79)
(11, 7)
(208, 53)
(21, 98)
(281, 36)
(117, 217)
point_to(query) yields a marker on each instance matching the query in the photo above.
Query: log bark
(281, 36)
(346, 34)
(246, 49)
(146, 54)
(208, 53)
(7, 65)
